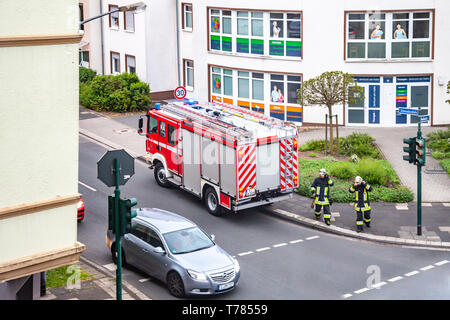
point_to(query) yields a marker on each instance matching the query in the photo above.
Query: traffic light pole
(118, 237)
(419, 184)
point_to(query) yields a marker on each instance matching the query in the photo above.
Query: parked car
(80, 210)
(176, 251)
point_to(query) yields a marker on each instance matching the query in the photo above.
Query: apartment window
(130, 63)
(189, 74)
(113, 17)
(84, 59)
(115, 62)
(389, 35)
(129, 20)
(81, 12)
(187, 16)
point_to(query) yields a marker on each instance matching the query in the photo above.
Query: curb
(126, 285)
(314, 224)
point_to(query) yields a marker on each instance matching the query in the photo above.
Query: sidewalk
(391, 223)
(101, 287)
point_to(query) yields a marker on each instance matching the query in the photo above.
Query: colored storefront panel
(374, 96)
(276, 48)
(257, 46)
(374, 116)
(401, 99)
(227, 100)
(215, 42)
(216, 99)
(258, 107)
(293, 48)
(226, 43)
(244, 104)
(367, 79)
(242, 45)
(413, 79)
(277, 112)
(294, 114)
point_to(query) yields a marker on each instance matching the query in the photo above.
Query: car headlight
(236, 265)
(197, 275)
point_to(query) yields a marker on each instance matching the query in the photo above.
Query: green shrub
(313, 145)
(86, 74)
(439, 155)
(440, 134)
(343, 170)
(84, 94)
(360, 144)
(372, 171)
(312, 155)
(445, 164)
(442, 145)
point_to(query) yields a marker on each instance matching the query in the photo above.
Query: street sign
(180, 93)
(408, 111)
(424, 118)
(106, 171)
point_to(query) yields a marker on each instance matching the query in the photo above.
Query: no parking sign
(180, 93)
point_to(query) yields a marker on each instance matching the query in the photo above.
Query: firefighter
(320, 190)
(362, 203)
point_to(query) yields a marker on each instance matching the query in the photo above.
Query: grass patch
(58, 277)
(379, 173)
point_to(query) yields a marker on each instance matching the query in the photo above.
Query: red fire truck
(228, 156)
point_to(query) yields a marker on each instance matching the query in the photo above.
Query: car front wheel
(175, 284)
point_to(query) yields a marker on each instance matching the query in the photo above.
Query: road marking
(426, 204)
(347, 295)
(409, 274)
(280, 245)
(244, 253)
(111, 266)
(441, 263)
(361, 290)
(446, 204)
(296, 241)
(313, 237)
(85, 185)
(401, 207)
(144, 280)
(379, 284)
(395, 279)
(427, 268)
(263, 249)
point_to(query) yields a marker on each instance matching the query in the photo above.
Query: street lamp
(136, 7)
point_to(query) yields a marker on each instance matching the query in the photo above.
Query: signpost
(115, 168)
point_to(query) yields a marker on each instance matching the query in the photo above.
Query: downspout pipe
(101, 37)
(178, 41)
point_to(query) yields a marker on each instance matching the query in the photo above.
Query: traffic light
(410, 149)
(420, 151)
(111, 215)
(126, 214)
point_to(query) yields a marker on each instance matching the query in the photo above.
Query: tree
(329, 89)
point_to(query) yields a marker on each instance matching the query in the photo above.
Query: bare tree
(329, 89)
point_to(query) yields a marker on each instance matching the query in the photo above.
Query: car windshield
(187, 240)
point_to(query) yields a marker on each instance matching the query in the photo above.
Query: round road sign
(180, 93)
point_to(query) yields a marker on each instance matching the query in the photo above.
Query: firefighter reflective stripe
(352, 189)
(246, 171)
(365, 208)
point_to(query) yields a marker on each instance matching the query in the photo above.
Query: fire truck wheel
(160, 175)
(212, 203)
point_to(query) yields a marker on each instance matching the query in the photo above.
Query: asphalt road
(279, 259)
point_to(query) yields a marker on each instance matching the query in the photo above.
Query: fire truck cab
(228, 156)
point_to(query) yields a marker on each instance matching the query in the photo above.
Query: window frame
(389, 35)
(125, 22)
(110, 8)
(183, 16)
(149, 123)
(169, 141)
(111, 53)
(185, 77)
(126, 63)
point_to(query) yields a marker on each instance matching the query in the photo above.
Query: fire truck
(230, 157)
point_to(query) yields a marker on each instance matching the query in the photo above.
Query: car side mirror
(141, 124)
(159, 250)
(213, 237)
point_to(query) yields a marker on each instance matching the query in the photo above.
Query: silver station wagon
(176, 251)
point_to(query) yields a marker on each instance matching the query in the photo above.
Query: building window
(388, 35)
(113, 17)
(187, 16)
(281, 39)
(84, 59)
(81, 12)
(189, 74)
(128, 17)
(130, 63)
(115, 62)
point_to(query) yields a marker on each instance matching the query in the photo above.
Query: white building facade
(241, 51)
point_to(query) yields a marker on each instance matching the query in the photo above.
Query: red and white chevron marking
(246, 170)
(295, 163)
(282, 163)
(288, 164)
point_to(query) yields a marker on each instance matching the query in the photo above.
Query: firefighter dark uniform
(362, 204)
(321, 188)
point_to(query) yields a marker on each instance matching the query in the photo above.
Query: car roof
(164, 221)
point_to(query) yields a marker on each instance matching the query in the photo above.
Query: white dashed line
(313, 237)
(412, 273)
(85, 185)
(379, 284)
(280, 245)
(144, 280)
(348, 295)
(244, 253)
(440, 263)
(262, 249)
(296, 241)
(361, 290)
(111, 266)
(427, 268)
(395, 279)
